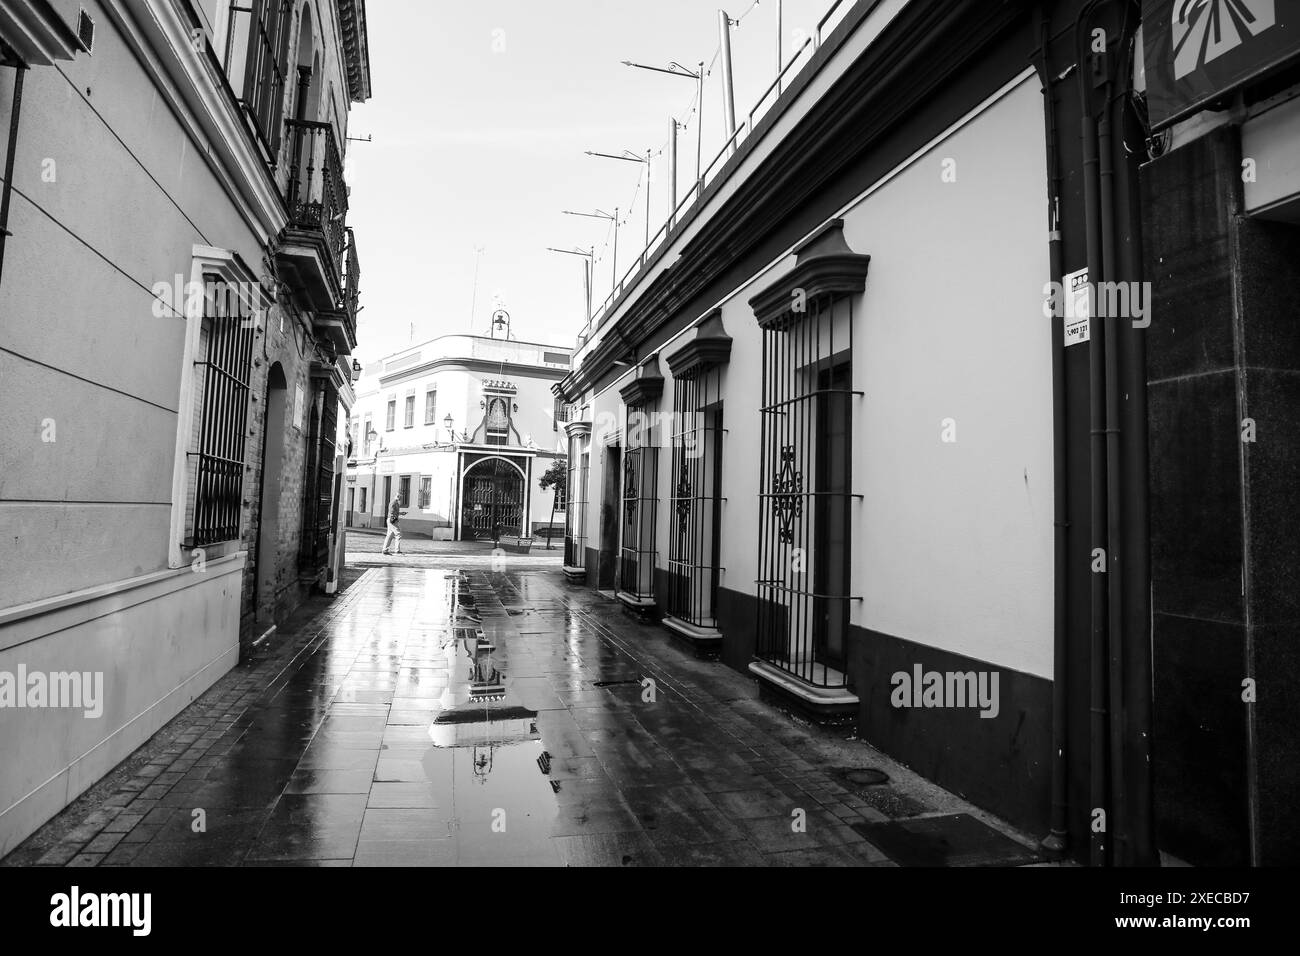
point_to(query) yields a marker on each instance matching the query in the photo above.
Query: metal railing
(707, 175)
(316, 195)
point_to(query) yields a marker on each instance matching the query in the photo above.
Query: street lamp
(449, 422)
(586, 269)
(676, 69)
(601, 214)
(630, 157)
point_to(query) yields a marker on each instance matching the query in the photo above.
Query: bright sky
(481, 112)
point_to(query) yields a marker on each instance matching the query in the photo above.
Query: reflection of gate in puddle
(483, 770)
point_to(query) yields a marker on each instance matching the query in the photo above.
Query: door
(492, 501)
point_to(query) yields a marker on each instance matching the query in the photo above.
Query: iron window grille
(805, 483)
(695, 500)
(575, 515)
(216, 466)
(404, 491)
(426, 490)
(362, 507)
(637, 552)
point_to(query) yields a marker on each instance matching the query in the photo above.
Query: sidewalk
(439, 716)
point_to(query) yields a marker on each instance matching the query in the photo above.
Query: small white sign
(297, 407)
(1078, 307)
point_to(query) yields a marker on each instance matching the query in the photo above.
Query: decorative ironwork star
(683, 500)
(629, 485)
(787, 495)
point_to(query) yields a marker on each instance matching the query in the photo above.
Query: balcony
(340, 323)
(317, 252)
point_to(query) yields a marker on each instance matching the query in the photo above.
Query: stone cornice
(825, 267)
(646, 387)
(710, 347)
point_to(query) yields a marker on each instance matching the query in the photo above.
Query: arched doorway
(268, 520)
(492, 500)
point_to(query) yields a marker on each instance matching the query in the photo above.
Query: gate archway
(492, 500)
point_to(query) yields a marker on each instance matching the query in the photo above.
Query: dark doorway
(268, 521)
(610, 500)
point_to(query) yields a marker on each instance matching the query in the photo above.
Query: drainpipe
(1137, 580)
(20, 69)
(1097, 449)
(1057, 839)
(1117, 819)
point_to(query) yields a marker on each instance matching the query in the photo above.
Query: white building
(461, 428)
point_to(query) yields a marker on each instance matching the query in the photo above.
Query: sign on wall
(1198, 50)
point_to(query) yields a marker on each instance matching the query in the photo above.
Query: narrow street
(440, 712)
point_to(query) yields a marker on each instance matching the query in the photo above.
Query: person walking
(394, 533)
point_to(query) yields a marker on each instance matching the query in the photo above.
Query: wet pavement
(460, 715)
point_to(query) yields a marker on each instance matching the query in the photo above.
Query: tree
(558, 476)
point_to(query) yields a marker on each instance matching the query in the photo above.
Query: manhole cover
(866, 777)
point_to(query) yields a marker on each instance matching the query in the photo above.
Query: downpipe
(1057, 840)
(1097, 714)
(6, 194)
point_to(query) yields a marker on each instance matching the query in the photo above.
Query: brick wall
(288, 344)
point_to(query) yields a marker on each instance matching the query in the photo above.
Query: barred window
(640, 507)
(404, 490)
(426, 489)
(215, 466)
(805, 476)
(637, 553)
(575, 517)
(362, 507)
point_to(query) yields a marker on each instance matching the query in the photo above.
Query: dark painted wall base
(1000, 763)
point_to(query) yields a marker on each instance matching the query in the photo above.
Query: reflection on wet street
(442, 717)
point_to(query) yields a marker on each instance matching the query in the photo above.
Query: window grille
(637, 554)
(216, 465)
(426, 489)
(575, 516)
(805, 490)
(404, 490)
(695, 494)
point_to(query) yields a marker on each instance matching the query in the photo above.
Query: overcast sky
(481, 112)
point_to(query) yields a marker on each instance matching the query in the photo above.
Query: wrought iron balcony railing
(316, 195)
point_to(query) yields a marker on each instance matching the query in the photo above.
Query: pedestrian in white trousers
(394, 534)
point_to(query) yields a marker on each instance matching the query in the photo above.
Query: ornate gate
(492, 501)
